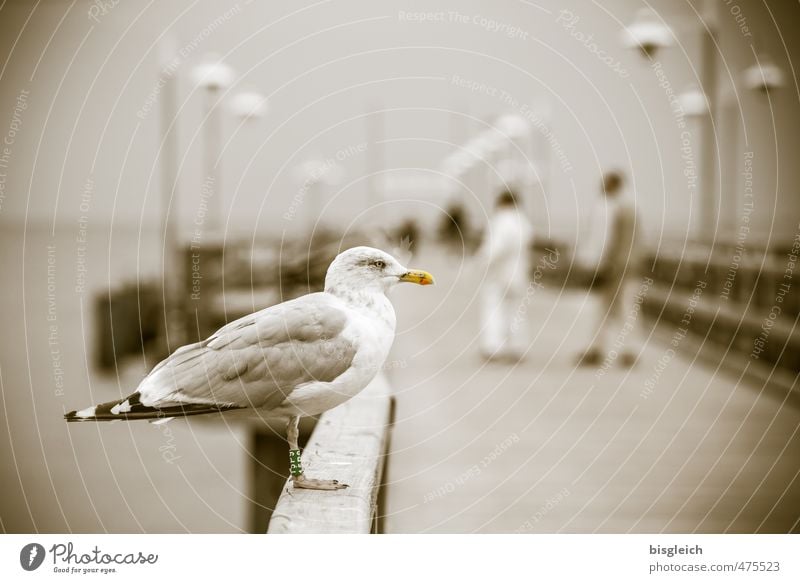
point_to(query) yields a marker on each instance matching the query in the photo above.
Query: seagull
(294, 359)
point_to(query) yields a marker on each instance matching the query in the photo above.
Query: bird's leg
(296, 468)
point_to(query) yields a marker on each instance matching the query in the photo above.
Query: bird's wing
(258, 360)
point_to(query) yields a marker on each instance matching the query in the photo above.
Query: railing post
(349, 444)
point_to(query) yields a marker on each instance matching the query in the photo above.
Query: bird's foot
(315, 484)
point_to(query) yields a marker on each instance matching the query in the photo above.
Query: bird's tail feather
(131, 408)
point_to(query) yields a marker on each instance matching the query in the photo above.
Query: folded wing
(258, 360)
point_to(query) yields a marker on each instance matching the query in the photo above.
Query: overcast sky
(90, 83)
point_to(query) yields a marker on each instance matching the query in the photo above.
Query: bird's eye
(379, 264)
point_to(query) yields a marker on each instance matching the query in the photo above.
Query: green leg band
(294, 462)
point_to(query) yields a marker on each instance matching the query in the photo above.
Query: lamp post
(375, 156)
(207, 250)
(709, 160)
(248, 105)
(693, 102)
(764, 75)
(312, 174)
(169, 259)
(213, 76)
(648, 35)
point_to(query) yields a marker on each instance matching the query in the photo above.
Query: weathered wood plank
(269, 467)
(349, 445)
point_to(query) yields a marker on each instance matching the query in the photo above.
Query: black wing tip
(73, 416)
(141, 412)
(102, 412)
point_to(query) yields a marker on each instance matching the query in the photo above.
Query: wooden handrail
(349, 444)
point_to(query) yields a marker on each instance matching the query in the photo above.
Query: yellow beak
(418, 277)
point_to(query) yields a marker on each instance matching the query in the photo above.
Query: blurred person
(454, 228)
(613, 257)
(505, 251)
(408, 232)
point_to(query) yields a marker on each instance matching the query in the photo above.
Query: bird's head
(369, 269)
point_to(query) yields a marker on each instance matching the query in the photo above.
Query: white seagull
(294, 359)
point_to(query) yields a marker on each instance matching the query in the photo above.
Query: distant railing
(348, 444)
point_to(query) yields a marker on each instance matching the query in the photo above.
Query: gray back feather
(258, 360)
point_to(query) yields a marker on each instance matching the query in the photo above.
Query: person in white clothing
(613, 255)
(505, 251)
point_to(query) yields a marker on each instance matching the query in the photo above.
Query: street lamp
(512, 126)
(764, 76)
(693, 102)
(213, 75)
(174, 334)
(478, 148)
(248, 105)
(647, 33)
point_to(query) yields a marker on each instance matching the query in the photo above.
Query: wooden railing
(747, 316)
(349, 444)
(749, 307)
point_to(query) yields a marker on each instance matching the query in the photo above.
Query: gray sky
(324, 65)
